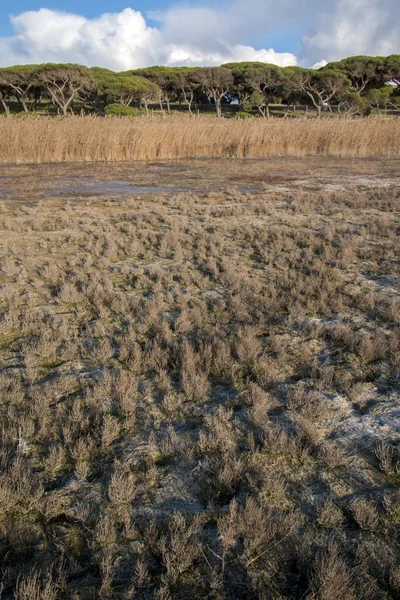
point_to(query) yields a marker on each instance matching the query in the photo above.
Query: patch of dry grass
(199, 395)
(91, 138)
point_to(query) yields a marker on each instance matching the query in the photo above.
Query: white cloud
(115, 40)
(200, 34)
(122, 41)
(319, 64)
(351, 27)
(190, 55)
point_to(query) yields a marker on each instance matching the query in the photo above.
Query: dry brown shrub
(34, 587)
(260, 403)
(229, 529)
(178, 445)
(101, 351)
(371, 349)
(223, 364)
(325, 377)
(194, 385)
(365, 514)
(308, 431)
(391, 503)
(343, 334)
(122, 488)
(130, 353)
(248, 347)
(262, 529)
(111, 430)
(228, 475)
(300, 397)
(394, 578)
(330, 514)
(179, 548)
(393, 310)
(331, 578)
(173, 401)
(219, 435)
(331, 455)
(385, 454)
(83, 453)
(285, 445)
(20, 487)
(117, 392)
(272, 485)
(56, 460)
(69, 293)
(105, 534)
(107, 570)
(163, 381)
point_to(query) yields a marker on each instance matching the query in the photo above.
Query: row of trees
(353, 85)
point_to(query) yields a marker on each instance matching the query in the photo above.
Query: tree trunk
(218, 106)
(319, 111)
(5, 106)
(22, 102)
(98, 111)
(36, 100)
(69, 104)
(168, 106)
(190, 102)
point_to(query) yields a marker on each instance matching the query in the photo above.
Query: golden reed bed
(91, 138)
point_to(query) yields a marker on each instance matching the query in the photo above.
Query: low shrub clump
(120, 110)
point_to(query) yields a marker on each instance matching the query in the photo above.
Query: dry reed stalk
(92, 138)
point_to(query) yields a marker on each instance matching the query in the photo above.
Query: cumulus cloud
(319, 64)
(120, 41)
(351, 27)
(115, 40)
(200, 34)
(191, 55)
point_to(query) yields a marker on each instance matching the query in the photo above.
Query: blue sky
(121, 35)
(88, 8)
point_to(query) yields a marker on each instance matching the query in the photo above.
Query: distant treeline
(354, 86)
